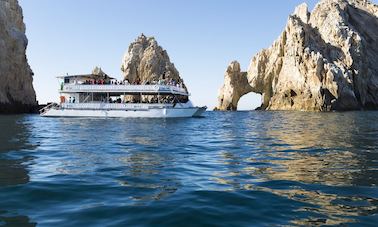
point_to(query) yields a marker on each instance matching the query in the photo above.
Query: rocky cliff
(324, 60)
(147, 62)
(235, 86)
(16, 89)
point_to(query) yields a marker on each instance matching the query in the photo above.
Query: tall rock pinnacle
(146, 61)
(17, 94)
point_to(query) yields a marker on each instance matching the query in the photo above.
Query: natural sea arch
(249, 101)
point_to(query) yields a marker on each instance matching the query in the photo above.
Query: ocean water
(226, 169)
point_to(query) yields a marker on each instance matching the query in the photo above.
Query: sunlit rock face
(17, 94)
(235, 86)
(325, 60)
(146, 61)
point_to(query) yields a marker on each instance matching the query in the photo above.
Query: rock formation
(16, 89)
(324, 60)
(235, 86)
(146, 62)
(97, 71)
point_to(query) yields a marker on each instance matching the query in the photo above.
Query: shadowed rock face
(16, 89)
(325, 60)
(146, 61)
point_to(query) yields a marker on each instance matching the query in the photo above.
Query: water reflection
(321, 151)
(332, 154)
(320, 168)
(14, 139)
(146, 177)
(133, 160)
(317, 148)
(23, 221)
(12, 172)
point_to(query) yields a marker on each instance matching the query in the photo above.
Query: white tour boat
(96, 96)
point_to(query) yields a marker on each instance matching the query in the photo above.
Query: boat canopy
(84, 77)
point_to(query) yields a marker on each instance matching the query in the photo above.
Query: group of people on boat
(104, 82)
(168, 82)
(150, 100)
(170, 99)
(70, 99)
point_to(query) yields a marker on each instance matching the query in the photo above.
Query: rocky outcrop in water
(324, 60)
(235, 86)
(17, 94)
(147, 62)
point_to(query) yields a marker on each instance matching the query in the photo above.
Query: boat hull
(149, 113)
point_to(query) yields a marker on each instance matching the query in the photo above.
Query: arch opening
(249, 101)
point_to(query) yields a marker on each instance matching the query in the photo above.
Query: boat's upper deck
(92, 83)
(123, 89)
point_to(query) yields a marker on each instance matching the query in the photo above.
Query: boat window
(66, 80)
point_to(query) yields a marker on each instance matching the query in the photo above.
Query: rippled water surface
(226, 169)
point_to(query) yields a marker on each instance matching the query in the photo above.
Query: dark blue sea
(226, 169)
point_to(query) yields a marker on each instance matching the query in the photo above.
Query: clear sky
(201, 36)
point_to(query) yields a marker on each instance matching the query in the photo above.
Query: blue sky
(201, 36)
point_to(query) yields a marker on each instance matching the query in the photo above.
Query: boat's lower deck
(137, 113)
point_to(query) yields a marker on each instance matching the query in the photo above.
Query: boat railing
(114, 106)
(123, 88)
(49, 106)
